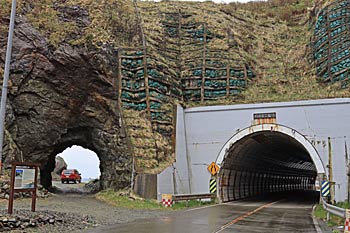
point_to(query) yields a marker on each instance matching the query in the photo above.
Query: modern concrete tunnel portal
(260, 148)
(266, 158)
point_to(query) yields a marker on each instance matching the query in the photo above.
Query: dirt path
(70, 187)
(88, 212)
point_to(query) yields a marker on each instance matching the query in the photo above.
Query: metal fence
(186, 197)
(333, 209)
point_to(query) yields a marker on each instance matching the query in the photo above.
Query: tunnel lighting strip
(306, 166)
(234, 221)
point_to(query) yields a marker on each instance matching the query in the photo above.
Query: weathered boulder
(59, 167)
(59, 97)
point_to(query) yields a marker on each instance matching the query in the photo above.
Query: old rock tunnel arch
(115, 163)
(266, 158)
(45, 176)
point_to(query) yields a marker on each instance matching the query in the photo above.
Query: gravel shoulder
(79, 212)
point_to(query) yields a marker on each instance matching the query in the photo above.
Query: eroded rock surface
(59, 97)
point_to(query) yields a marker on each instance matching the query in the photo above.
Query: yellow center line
(234, 221)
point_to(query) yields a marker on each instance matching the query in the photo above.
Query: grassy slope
(122, 200)
(285, 72)
(278, 46)
(281, 53)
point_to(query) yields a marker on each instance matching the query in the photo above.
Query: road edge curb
(316, 224)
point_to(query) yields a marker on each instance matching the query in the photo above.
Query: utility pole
(6, 79)
(330, 170)
(347, 169)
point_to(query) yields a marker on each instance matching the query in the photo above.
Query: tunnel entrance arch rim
(315, 157)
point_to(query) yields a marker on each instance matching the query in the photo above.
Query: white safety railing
(333, 209)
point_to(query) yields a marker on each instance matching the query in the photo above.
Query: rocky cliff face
(60, 165)
(59, 97)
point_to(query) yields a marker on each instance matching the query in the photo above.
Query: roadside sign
(212, 185)
(213, 168)
(24, 177)
(167, 200)
(325, 190)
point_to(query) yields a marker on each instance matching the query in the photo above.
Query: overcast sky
(84, 160)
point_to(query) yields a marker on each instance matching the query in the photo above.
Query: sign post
(213, 168)
(24, 178)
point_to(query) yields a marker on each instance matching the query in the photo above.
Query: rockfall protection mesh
(200, 74)
(331, 43)
(175, 64)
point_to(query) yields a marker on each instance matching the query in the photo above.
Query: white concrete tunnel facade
(276, 128)
(245, 180)
(204, 134)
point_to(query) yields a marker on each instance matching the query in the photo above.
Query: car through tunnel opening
(264, 163)
(76, 169)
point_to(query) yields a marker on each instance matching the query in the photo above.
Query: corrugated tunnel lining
(265, 162)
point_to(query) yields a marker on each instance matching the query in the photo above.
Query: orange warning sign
(213, 168)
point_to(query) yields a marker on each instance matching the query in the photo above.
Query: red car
(70, 175)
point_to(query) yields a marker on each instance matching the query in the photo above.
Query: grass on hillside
(118, 199)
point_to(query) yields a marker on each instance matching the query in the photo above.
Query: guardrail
(186, 197)
(333, 209)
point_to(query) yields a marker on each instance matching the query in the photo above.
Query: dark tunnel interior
(265, 162)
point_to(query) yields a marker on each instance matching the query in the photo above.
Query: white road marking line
(204, 207)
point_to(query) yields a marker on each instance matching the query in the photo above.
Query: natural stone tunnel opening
(76, 157)
(265, 162)
(46, 172)
(114, 166)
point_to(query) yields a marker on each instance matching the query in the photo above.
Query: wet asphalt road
(292, 213)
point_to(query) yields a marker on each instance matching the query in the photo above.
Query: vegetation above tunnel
(187, 53)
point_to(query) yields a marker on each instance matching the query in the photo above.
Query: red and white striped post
(167, 200)
(347, 221)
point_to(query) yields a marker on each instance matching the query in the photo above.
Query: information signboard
(23, 179)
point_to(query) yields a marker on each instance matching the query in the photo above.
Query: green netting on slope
(215, 63)
(135, 106)
(155, 73)
(130, 96)
(175, 92)
(238, 83)
(157, 95)
(215, 83)
(194, 95)
(215, 73)
(171, 31)
(331, 43)
(133, 93)
(158, 86)
(131, 63)
(204, 71)
(214, 94)
(160, 116)
(197, 72)
(155, 105)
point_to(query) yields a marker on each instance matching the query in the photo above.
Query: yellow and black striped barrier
(212, 185)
